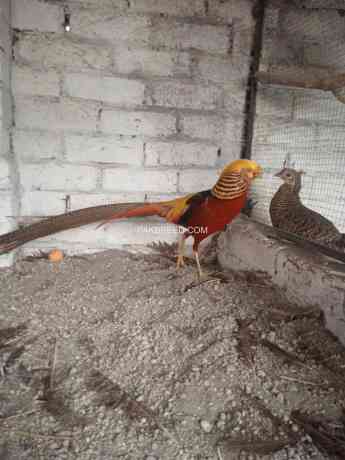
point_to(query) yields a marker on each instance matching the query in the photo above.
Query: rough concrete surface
(307, 277)
(118, 356)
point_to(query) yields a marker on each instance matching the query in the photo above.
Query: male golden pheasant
(202, 213)
(289, 214)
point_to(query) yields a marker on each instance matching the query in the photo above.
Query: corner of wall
(8, 172)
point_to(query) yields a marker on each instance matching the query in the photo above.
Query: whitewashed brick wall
(142, 99)
(307, 124)
(7, 167)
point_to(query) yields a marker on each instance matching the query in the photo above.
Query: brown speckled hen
(289, 214)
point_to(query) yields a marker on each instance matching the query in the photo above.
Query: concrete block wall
(7, 167)
(141, 100)
(307, 124)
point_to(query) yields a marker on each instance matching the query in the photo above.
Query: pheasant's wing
(177, 211)
(192, 203)
(317, 226)
(305, 222)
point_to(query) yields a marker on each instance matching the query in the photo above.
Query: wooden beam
(335, 84)
(258, 13)
(324, 84)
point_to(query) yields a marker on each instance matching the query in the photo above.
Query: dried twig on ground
(53, 366)
(7, 418)
(301, 381)
(219, 453)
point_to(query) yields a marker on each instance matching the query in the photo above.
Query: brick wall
(307, 124)
(7, 167)
(142, 100)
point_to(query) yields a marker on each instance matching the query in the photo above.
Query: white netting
(305, 42)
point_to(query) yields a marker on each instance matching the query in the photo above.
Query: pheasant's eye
(288, 175)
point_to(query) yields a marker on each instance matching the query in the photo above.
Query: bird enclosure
(129, 109)
(300, 104)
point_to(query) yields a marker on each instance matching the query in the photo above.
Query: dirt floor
(118, 356)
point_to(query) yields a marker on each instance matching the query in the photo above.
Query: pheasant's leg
(180, 257)
(200, 272)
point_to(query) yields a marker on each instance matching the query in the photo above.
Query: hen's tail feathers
(54, 224)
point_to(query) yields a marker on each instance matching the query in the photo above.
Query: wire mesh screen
(298, 110)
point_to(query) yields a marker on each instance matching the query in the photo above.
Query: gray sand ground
(117, 360)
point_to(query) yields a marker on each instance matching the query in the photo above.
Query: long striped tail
(73, 219)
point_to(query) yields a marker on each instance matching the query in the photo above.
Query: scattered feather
(108, 393)
(11, 333)
(280, 352)
(246, 341)
(111, 395)
(326, 438)
(12, 357)
(35, 256)
(53, 400)
(254, 278)
(165, 249)
(257, 446)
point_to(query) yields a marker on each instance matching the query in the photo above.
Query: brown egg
(55, 255)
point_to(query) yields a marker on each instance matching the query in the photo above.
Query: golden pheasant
(289, 214)
(201, 214)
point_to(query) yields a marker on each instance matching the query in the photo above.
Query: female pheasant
(201, 214)
(289, 214)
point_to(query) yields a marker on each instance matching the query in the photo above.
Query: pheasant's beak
(257, 172)
(253, 174)
(278, 174)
